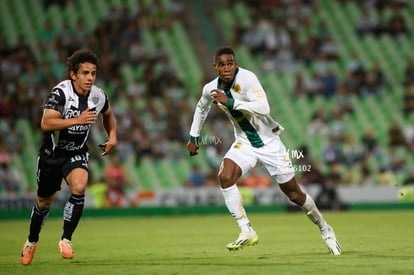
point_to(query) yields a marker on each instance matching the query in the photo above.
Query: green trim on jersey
(245, 125)
(247, 128)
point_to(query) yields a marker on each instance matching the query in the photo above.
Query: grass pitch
(373, 243)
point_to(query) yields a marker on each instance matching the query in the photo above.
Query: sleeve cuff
(194, 139)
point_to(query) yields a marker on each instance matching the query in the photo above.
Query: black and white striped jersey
(58, 145)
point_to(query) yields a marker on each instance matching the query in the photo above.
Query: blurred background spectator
(344, 91)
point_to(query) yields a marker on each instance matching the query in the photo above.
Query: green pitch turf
(373, 242)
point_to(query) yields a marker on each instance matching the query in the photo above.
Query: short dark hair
(79, 57)
(223, 50)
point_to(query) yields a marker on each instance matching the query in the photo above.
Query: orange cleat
(28, 251)
(66, 249)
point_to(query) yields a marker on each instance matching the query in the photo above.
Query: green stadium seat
(164, 169)
(37, 14)
(242, 14)
(70, 15)
(148, 174)
(100, 7)
(55, 17)
(164, 38)
(29, 153)
(96, 171)
(127, 73)
(225, 18)
(18, 163)
(145, 178)
(9, 28)
(189, 57)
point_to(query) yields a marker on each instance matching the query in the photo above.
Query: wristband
(194, 140)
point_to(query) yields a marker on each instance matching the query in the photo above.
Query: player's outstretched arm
(109, 124)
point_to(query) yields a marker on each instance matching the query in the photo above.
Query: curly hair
(79, 57)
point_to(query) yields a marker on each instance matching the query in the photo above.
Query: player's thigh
(49, 179)
(76, 173)
(275, 158)
(229, 173)
(242, 155)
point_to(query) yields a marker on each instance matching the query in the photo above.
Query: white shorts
(272, 155)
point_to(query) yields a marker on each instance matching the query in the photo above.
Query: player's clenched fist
(219, 97)
(192, 148)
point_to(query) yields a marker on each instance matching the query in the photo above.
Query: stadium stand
(372, 112)
(26, 18)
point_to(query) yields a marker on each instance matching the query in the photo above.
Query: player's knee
(293, 191)
(44, 203)
(226, 179)
(78, 186)
(78, 189)
(285, 178)
(296, 197)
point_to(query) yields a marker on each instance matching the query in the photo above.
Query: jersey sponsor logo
(72, 113)
(78, 128)
(258, 93)
(70, 146)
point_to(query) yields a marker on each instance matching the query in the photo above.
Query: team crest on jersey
(236, 88)
(62, 85)
(95, 99)
(237, 145)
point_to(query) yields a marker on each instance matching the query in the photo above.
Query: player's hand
(219, 97)
(106, 148)
(87, 117)
(192, 148)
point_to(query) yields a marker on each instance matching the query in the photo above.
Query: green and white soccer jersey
(256, 132)
(248, 109)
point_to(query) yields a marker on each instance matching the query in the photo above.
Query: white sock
(234, 204)
(313, 213)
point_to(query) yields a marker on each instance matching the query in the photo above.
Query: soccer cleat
(329, 237)
(26, 256)
(244, 239)
(66, 249)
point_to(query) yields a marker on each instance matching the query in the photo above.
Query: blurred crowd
(153, 110)
(146, 109)
(382, 17)
(287, 36)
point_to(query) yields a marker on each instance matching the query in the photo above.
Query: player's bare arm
(52, 120)
(109, 124)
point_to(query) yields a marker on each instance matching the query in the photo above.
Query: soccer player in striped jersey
(240, 95)
(71, 108)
